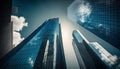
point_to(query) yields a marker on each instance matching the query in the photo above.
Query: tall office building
(101, 17)
(91, 55)
(5, 27)
(83, 57)
(43, 49)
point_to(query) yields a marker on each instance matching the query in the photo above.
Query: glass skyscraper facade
(100, 17)
(43, 49)
(91, 55)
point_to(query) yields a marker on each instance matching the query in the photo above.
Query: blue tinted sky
(37, 11)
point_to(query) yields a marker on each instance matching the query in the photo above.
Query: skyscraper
(84, 59)
(5, 27)
(43, 49)
(91, 55)
(101, 17)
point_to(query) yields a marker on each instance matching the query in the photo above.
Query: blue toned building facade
(101, 17)
(92, 55)
(43, 49)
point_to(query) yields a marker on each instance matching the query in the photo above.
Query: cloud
(16, 38)
(104, 54)
(84, 11)
(31, 62)
(18, 24)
